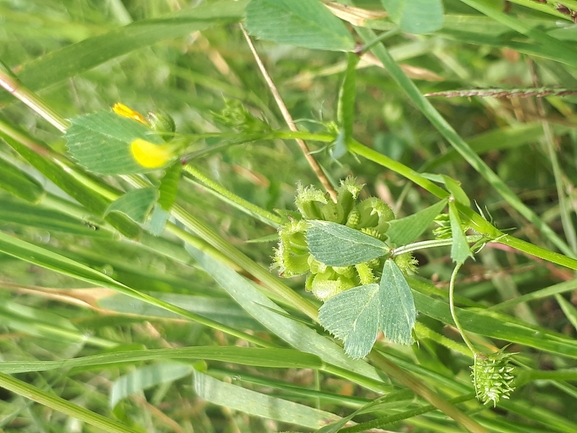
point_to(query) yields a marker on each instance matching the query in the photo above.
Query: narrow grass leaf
(221, 310)
(398, 313)
(59, 404)
(135, 204)
(460, 250)
(338, 245)
(303, 23)
(75, 59)
(146, 377)
(258, 404)
(416, 16)
(19, 183)
(256, 357)
(406, 230)
(568, 309)
(157, 221)
(354, 317)
(264, 310)
(47, 219)
(100, 142)
(458, 143)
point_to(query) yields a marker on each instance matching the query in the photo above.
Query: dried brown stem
(289, 120)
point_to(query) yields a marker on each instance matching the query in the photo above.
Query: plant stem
(452, 307)
(246, 206)
(431, 244)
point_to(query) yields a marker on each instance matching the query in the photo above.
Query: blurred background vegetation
(192, 77)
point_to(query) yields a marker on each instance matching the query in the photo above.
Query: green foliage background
(97, 310)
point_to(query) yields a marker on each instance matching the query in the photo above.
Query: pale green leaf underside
(398, 306)
(338, 245)
(416, 16)
(136, 204)
(101, 142)
(354, 317)
(304, 23)
(357, 315)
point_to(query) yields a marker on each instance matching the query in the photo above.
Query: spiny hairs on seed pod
(492, 376)
(292, 256)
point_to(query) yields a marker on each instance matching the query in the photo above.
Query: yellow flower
(151, 155)
(125, 111)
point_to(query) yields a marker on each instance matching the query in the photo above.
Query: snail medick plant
(370, 216)
(341, 247)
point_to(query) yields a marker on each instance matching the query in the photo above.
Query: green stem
(453, 312)
(59, 404)
(240, 203)
(431, 244)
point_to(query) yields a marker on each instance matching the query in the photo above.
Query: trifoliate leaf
(101, 142)
(354, 317)
(338, 245)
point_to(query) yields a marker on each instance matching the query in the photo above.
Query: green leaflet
(416, 16)
(357, 315)
(338, 245)
(101, 142)
(304, 23)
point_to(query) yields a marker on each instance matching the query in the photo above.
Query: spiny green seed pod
(443, 231)
(353, 219)
(308, 202)
(315, 266)
(291, 256)
(348, 193)
(345, 271)
(406, 263)
(326, 285)
(365, 273)
(163, 123)
(330, 212)
(375, 214)
(374, 233)
(492, 376)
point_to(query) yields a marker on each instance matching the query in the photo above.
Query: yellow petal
(151, 155)
(125, 111)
